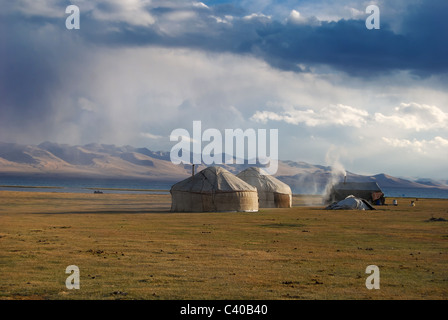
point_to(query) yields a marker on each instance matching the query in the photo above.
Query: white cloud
(200, 5)
(181, 15)
(339, 114)
(295, 17)
(133, 12)
(423, 146)
(43, 8)
(415, 116)
(257, 16)
(226, 19)
(86, 104)
(355, 13)
(150, 135)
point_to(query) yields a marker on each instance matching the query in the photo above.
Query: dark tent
(369, 191)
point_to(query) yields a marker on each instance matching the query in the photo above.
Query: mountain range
(110, 161)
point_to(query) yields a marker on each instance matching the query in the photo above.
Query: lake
(88, 185)
(83, 185)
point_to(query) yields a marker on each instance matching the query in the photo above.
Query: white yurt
(272, 193)
(213, 189)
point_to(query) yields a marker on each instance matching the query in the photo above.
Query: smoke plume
(337, 173)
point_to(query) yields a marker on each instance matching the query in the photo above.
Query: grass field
(129, 246)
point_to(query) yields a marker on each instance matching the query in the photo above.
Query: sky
(375, 101)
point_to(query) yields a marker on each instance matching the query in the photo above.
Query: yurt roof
(213, 179)
(266, 182)
(365, 186)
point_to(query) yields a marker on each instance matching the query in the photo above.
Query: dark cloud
(37, 60)
(426, 28)
(24, 64)
(347, 45)
(39, 56)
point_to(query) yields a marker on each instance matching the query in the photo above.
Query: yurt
(213, 189)
(272, 193)
(369, 191)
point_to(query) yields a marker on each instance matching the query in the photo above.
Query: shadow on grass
(152, 211)
(120, 211)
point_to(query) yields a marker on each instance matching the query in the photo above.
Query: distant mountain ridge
(110, 161)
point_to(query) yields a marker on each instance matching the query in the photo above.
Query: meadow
(129, 246)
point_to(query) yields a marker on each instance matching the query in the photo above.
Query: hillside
(107, 161)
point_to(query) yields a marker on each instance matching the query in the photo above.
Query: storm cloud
(345, 44)
(137, 69)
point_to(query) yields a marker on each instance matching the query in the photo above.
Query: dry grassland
(129, 246)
